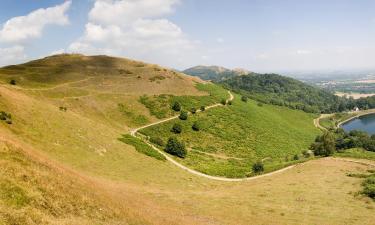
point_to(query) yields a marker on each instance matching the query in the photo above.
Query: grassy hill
(214, 73)
(234, 137)
(64, 163)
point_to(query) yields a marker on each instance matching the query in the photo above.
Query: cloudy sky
(259, 35)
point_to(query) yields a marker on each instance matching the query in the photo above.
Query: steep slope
(214, 73)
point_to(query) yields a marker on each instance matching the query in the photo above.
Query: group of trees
(330, 142)
(284, 91)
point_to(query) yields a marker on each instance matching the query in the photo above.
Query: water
(364, 123)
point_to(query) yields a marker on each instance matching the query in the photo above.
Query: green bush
(193, 110)
(183, 115)
(177, 128)
(176, 106)
(260, 104)
(196, 126)
(203, 108)
(244, 98)
(223, 101)
(157, 141)
(230, 102)
(258, 167)
(324, 145)
(12, 82)
(295, 157)
(141, 147)
(175, 147)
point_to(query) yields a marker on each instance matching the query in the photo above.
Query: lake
(364, 123)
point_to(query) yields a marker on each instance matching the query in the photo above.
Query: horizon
(293, 36)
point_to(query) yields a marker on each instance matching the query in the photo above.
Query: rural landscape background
(187, 112)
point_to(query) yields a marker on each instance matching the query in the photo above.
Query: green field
(357, 153)
(233, 137)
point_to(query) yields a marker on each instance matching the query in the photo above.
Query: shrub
(203, 108)
(324, 145)
(62, 108)
(141, 147)
(196, 126)
(260, 104)
(258, 167)
(175, 147)
(295, 157)
(177, 128)
(229, 102)
(12, 82)
(6, 116)
(223, 101)
(157, 141)
(183, 115)
(176, 106)
(193, 110)
(244, 98)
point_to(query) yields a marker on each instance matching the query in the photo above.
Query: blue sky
(259, 35)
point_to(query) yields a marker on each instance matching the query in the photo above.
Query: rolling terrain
(65, 163)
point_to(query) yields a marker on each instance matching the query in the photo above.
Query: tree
(193, 110)
(203, 108)
(177, 128)
(244, 98)
(223, 101)
(196, 126)
(176, 106)
(175, 147)
(183, 115)
(13, 82)
(295, 157)
(258, 167)
(324, 145)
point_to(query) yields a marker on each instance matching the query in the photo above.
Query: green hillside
(234, 137)
(214, 73)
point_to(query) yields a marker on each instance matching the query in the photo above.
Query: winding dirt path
(170, 159)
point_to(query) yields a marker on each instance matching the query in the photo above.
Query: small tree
(260, 104)
(229, 102)
(324, 145)
(223, 101)
(183, 115)
(177, 128)
(244, 98)
(193, 110)
(295, 157)
(175, 147)
(13, 82)
(176, 106)
(203, 108)
(258, 167)
(196, 126)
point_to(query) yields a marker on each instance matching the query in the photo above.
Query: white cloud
(12, 55)
(57, 52)
(135, 29)
(23, 28)
(303, 52)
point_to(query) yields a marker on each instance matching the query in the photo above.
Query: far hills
(214, 73)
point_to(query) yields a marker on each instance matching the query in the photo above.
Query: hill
(214, 73)
(284, 91)
(63, 163)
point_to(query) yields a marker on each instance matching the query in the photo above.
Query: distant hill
(283, 91)
(214, 73)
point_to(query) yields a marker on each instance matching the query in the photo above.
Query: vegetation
(193, 110)
(183, 115)
(177, 128)
(258, 167)
(324, 145)
(175, 147)
(141, 147)
(223, 101)
(7, 117)
(157, 140)
(368, 183)
(12, 82)
(202, 108)
(195, 126)
(271, 132)
(176, 106)
(244, 98)
(354, 139)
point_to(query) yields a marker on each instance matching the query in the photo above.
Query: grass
(368, 183)
(331, 122)
(234, 137)
(357, 153)
(141, 147)
(126, 187)
(160, 105)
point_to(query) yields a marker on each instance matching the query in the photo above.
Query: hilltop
(214, 73)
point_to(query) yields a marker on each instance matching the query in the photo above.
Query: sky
(258, 35)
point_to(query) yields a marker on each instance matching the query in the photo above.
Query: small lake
(364, 123)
